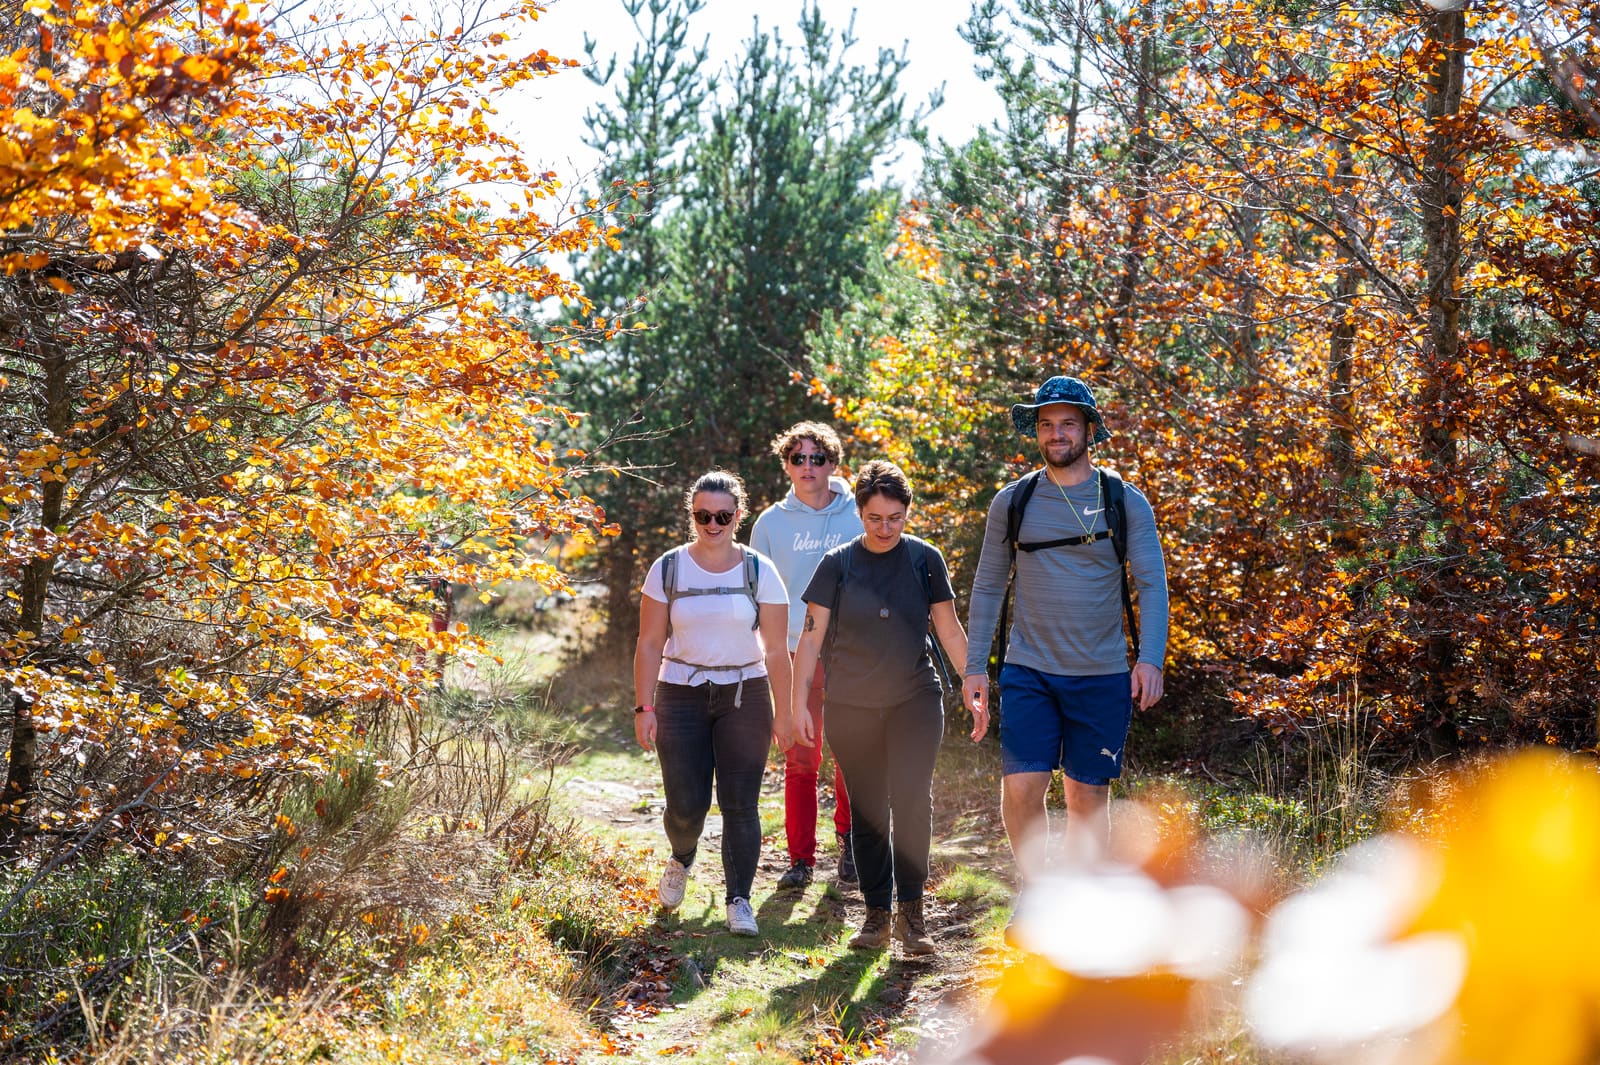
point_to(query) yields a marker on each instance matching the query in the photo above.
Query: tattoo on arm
(811, 622)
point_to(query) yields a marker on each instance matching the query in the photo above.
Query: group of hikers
(822, 631)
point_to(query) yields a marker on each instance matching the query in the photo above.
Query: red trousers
(801, 766)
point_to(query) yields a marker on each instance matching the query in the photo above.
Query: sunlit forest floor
(494, 899)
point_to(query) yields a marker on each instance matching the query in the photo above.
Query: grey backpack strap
(751, 569)
(669, 582)
(752, 582)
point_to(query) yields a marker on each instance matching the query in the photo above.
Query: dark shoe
(874, 934)
(847, 861)
(910, 930)
(796, 879)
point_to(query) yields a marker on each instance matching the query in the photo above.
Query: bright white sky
(549, 118)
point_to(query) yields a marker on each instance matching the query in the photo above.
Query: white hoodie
(796, 537)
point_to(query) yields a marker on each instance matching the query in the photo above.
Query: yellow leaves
(1517, 854)
(299, 568)
(18, 262)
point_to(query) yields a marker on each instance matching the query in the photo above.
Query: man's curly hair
(823, 436)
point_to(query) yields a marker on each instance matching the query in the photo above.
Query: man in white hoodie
(818, 514)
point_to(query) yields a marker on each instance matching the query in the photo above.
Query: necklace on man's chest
(1099, 504)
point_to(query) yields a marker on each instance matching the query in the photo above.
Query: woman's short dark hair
(717, 481)
(880, 478)
(822, 436)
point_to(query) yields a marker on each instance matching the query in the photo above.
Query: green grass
(105, 926)
(760, 999)
(973, 886)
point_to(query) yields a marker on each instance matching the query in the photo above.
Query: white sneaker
(742, 919)
(674, 880)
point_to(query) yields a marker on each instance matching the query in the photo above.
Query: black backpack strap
(1016, 505)
(1066, 541)
(919, 564)
(920, 552)
(1116, 497)
(1018, 502)
(838, 589)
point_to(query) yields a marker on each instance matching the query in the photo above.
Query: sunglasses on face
(816, 458)
(706, 517)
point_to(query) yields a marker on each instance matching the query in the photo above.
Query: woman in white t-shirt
(713, 628)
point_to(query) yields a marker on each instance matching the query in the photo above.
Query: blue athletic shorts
(1076, 724)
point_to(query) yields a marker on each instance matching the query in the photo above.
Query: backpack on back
(752, 579)
(1115, 495)
(920, 550)
(669, 582)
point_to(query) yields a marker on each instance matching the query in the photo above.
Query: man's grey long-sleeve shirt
(1067, 615)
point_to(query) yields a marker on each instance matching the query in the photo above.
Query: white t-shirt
(715, 630)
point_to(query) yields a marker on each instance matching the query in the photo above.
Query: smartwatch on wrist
(643, 709)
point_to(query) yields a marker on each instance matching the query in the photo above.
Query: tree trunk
(1079, 27)
(1341, 445)
(1441, 194)
(1120, 324)
(621, 614)
(22, 785)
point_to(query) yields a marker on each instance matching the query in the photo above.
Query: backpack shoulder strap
(833, 611)
(1020, 494)
(845, 558)
(921, 554)
(752, 582)
(1016, 505)
(669, 582)
(1116, 497)
(919, 563)
(1116, 511)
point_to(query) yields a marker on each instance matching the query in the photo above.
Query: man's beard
(1073, 454)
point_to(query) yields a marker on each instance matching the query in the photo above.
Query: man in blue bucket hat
(1071, 537)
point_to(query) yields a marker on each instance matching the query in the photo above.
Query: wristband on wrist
(644, 709)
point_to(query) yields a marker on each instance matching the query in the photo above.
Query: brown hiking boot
(874, 934)
(910, 930)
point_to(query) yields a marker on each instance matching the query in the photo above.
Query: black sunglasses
(706, 517)
(816, 458)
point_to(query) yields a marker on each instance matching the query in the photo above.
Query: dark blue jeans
(887, 754)
(701, 736)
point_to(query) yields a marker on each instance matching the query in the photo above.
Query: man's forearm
(983, 614)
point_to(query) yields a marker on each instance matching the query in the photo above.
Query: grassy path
(797, 992)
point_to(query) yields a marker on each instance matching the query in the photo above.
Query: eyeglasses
(706, 517)
(816, 458)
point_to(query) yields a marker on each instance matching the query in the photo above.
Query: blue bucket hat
(1025, 416)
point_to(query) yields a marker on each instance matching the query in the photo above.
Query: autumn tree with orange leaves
(261, 393)
(1332, 270)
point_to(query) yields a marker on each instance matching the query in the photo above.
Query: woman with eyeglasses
(869, 610)
(713, 629)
